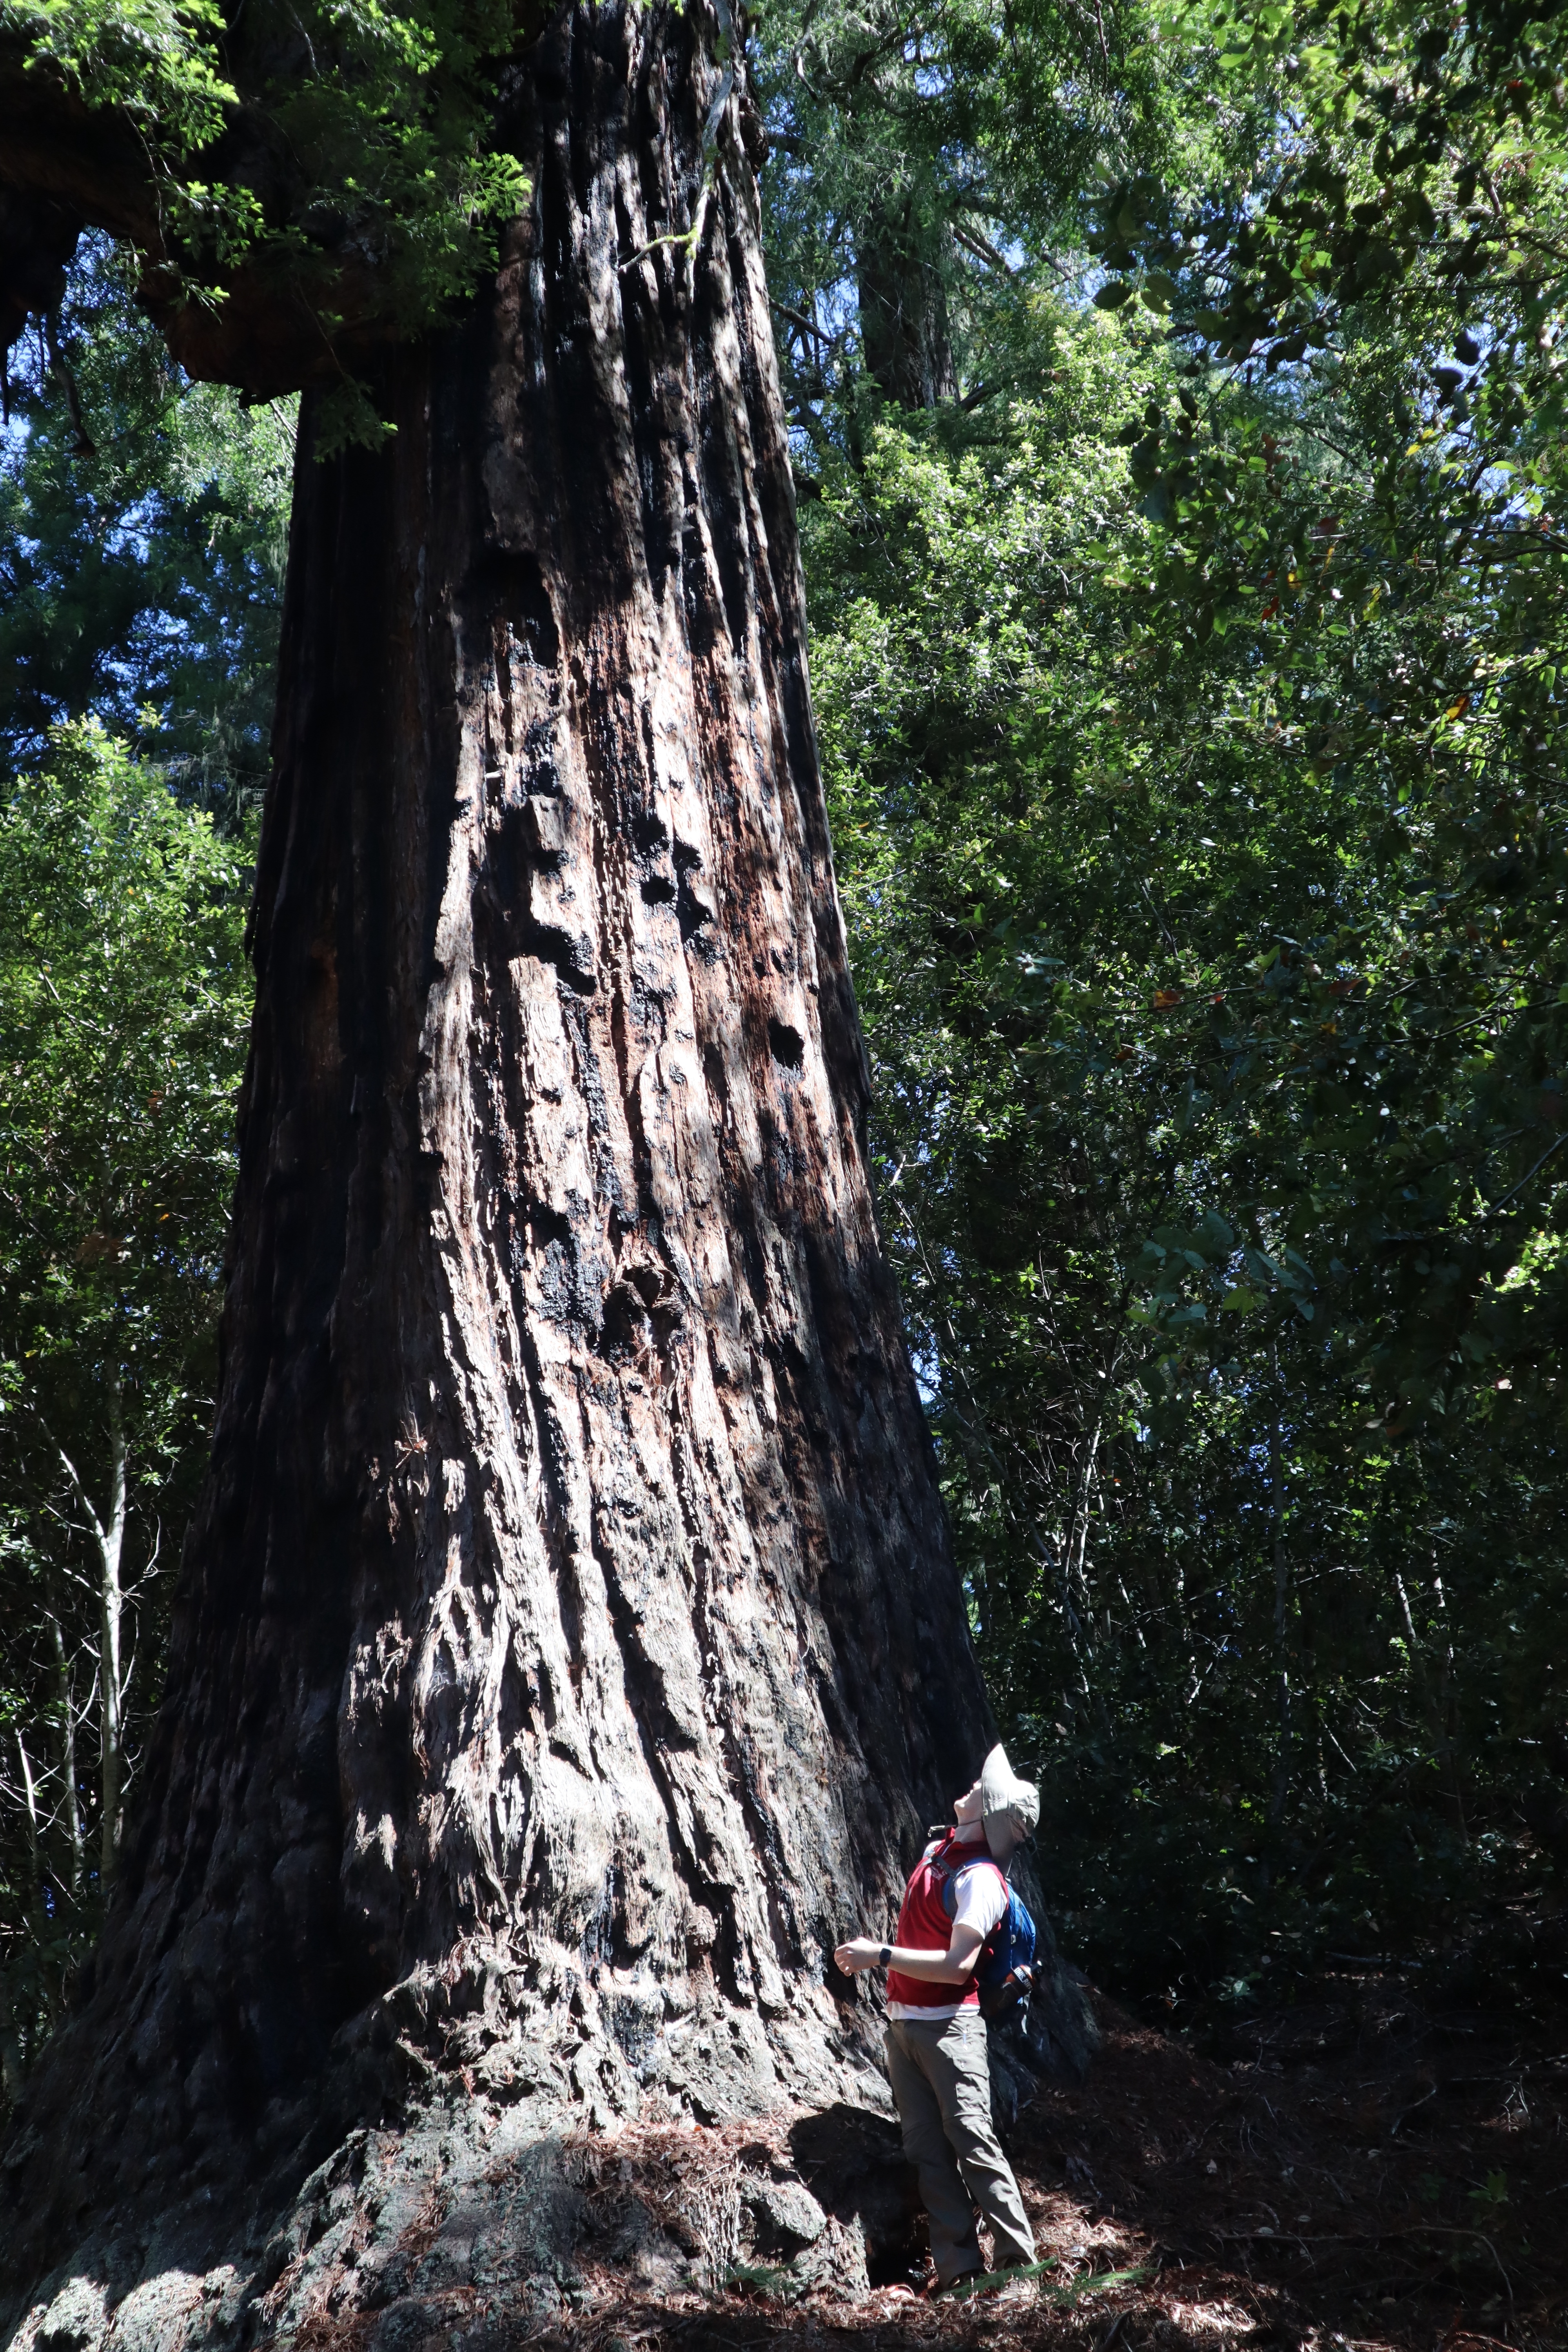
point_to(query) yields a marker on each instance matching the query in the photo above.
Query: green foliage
(141, 578)
(1402, 163)
(1371, 535)
(286, 137)
(124, 1005)
(1252, 1484)
(160, 63)
(981, 2283)
(919, 170)
(765, 2280)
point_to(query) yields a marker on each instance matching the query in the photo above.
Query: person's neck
(970, 1832)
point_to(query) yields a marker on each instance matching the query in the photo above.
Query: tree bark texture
(904, 323)
(569, 1643)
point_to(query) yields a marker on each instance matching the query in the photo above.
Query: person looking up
(956, 1895)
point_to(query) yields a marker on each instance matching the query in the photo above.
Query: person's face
(967, 1807)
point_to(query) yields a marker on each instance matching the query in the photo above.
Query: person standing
(956, 1895)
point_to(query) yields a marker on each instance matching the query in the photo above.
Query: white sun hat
(1007, 1802)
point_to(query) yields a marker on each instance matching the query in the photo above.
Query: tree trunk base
(676, 2150)
(440, 2157)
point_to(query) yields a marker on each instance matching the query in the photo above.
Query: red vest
(925, 1922)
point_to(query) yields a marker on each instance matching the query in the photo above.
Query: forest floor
(1359, 2172)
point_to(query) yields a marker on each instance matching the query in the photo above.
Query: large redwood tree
(569, 1639)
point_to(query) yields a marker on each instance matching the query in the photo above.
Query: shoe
(995, 2286)
(945, 2286)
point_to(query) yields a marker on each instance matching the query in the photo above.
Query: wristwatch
(884, 1956)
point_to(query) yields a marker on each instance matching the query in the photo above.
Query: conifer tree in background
(141, 559)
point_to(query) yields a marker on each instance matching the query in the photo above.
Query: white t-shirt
(980, 1900)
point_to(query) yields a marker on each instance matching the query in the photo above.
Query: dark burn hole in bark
(651, 837)
(539, 757)
(507, 585)
(526, 836)
(787, 1044)
(556, 1265)
(625, 1330)
(853, 2162)
(696, 911)
(643, 1310)
(651, 1282)
(506, 860)
(573, 958)
(635, 2026)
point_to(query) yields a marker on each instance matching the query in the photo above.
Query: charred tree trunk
(569, 1637)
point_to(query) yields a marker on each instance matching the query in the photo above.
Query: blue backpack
(1005, 1971)
(1006, 1967)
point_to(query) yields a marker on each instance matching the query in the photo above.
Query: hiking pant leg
(958, 2073)
(955, 2249)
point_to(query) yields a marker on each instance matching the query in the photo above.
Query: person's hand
(859, 1953)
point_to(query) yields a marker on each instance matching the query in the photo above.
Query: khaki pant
(942, 2086)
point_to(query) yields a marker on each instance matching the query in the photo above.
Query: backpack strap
(952, 1872)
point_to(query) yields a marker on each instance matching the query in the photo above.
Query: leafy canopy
(141, 575)
(1191, 727)
(124, 1011)
(311, 143)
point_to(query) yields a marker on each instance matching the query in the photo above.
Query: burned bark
(569, 1648)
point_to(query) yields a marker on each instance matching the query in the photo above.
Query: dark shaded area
(38, 238)
(853, 2162)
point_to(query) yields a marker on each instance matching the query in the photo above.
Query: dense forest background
(1177, 395)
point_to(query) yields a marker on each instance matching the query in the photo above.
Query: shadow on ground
(1360, 2171)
